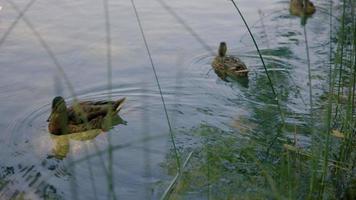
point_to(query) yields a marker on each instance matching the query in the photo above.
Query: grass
(276, 96)
(263, 163)
(53, 57)
(177, 156)
(327, 167)
(110, 175)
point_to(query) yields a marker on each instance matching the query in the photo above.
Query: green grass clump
(228, 166)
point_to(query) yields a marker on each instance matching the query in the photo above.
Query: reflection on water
(61, 146)
(219, 120)
(61, 143)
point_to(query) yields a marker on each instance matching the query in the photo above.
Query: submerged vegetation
(273, 152)
(241, 164)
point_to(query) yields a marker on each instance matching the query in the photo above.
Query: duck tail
(118, 105)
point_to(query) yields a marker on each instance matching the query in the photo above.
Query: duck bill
(49, 117)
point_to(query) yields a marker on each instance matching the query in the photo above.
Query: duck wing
(95, 123)
(234, 63)
(93, 106)
(89, 110)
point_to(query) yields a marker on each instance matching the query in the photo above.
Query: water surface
(182, 37)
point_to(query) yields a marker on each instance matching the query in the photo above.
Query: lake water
(58, 45)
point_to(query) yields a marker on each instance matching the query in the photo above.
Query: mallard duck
(227, 65)
(82, 116)
(301, 8)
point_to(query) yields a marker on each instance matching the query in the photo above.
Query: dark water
(180, 38)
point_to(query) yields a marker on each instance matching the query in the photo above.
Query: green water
(228, 125)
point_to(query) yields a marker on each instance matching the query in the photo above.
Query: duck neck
(222, 52)
(58, 123)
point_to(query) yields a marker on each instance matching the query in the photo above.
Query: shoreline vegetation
(242, 163)
(324, 170)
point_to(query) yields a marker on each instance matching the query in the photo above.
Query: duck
(82, 116)
(297, 8)
(229, 66)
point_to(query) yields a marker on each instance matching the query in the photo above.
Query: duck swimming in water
(82, 116)
(301, 8)
(227, 65)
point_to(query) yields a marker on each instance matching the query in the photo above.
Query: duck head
(222, 49)
(308, 7)
(302, 7)
(58, 104)
(58, 120)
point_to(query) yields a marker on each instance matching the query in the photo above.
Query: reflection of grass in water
(176, 153)
(49, 51)
(326, 170)
(110, 174)
(44, 190)
(51, 54)
(226, 166)
(275, 94)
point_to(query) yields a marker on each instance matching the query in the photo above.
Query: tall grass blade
(314, 144)
(42, 42)
(56, 63)
(170, 188)
(329, 106)
(109, 76)
(14, 23)
(181, 21)
(158, 85)
(269, 78)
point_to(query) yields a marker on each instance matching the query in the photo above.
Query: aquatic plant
(260, 156)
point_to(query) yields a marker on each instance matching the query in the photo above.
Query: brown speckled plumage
(82, 116)
(227, 65)
(296, 7)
